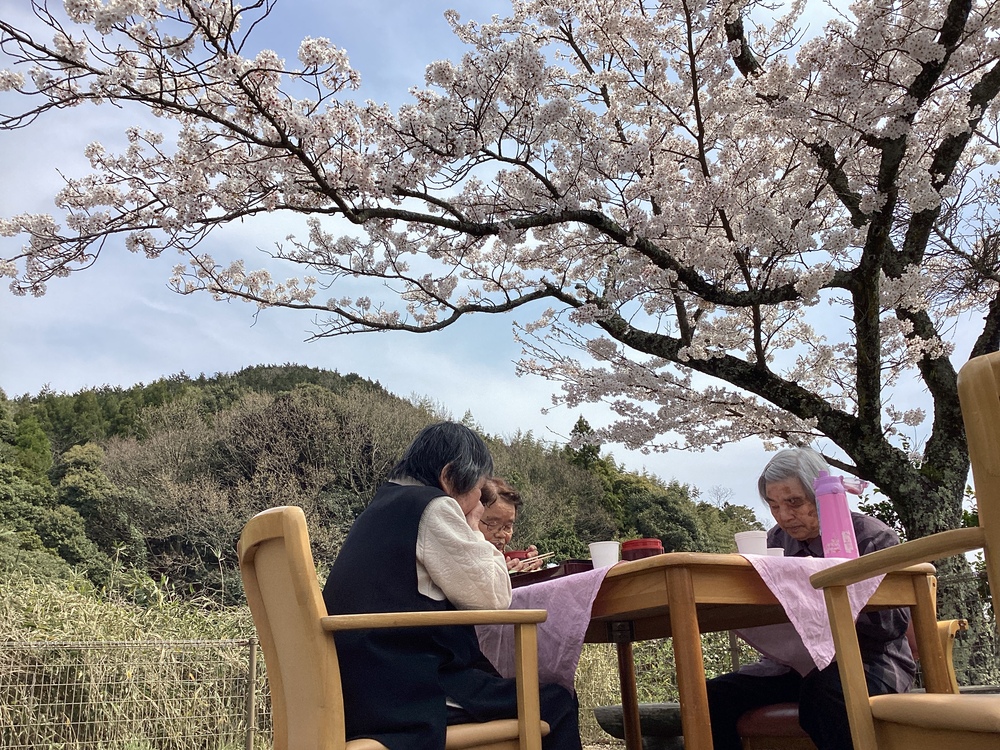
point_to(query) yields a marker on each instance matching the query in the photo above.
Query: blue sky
(118, 324)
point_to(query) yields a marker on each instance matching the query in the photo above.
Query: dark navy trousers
(559, 707)
(820, 695)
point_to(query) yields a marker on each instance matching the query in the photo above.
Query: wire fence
(133, 695)
(977, 652)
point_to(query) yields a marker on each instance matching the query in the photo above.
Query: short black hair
(446, 447)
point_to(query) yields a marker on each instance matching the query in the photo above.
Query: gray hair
(803, 464)
(446, 447)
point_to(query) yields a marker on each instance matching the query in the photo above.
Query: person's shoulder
(869, 521)
(443, 509)
(874, 527)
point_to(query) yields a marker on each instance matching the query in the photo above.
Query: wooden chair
(296, 637)
(941, 717)
(776, 727)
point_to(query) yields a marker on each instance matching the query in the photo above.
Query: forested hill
(100, 413)
(155, 481)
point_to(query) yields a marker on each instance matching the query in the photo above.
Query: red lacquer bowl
(516, 554)
(636, 549)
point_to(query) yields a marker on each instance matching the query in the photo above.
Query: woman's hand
(527, 564)
(473, 516)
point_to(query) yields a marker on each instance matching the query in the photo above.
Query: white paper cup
(604, 554)
(776, 551)
(751, 542)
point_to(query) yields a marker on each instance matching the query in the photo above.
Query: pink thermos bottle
(835, 526)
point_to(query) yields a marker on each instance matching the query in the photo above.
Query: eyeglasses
(495, 526)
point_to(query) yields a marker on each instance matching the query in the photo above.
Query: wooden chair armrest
(525, 623)
(428, 619)
(947, 630)
(907, 554)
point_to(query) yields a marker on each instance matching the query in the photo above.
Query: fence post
(251, 693)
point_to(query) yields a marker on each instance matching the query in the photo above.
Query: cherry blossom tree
(718, 220)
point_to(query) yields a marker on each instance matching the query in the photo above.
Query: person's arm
(456, 563)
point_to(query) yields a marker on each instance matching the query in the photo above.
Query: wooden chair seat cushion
(776, 720)
(973, 713)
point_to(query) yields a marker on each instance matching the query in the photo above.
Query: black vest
(396, 680)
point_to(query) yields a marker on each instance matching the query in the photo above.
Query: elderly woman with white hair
(786, 485)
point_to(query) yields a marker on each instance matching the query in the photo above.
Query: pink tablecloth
(803, 644)
(806, 642)
(568, 601)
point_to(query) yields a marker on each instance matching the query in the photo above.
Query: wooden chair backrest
(979, 393)
(286, 603)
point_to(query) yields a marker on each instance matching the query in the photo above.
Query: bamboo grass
(84, 673)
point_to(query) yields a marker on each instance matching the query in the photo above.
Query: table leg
(688, 660)
(630, 696)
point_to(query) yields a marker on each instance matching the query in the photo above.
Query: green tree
(105, 510)
(34, 524)
(8, 428)
(719, 524)
(653, 510)
(581, 451)
(35, 532)
(33, 450)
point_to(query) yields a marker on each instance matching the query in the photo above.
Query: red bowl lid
(642, 544)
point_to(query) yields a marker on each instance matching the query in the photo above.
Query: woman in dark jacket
(418, 547)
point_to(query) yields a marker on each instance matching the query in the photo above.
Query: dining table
(681, 595)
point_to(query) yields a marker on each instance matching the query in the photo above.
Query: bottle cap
(825, 484)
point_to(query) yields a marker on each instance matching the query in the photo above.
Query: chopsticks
(546, 556)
